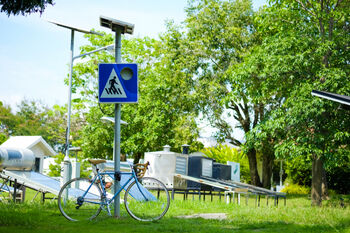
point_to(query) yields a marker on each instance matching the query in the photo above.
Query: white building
(36, 144)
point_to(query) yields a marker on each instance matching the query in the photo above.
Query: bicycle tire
(75, 208)
(150, 202)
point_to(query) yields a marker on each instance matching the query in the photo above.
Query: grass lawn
(296, 216)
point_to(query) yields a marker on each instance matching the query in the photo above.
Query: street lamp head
(113, 24)
(75, 28)
(110, 47)
(106, 119)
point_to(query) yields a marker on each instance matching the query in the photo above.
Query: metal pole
(66, 172)
(116, 151)
(281, 174)
(15, 191)
(69, 95)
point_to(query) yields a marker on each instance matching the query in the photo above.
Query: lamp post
(66, 172)
(106, 119)
(108, 47)
(119, 27)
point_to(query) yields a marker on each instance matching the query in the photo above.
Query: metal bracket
(117, 176)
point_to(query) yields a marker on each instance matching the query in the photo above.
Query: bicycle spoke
(79, 200)
(147, 202)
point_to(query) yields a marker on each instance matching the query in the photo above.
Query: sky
(35, 54)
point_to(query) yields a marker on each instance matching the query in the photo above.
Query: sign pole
(66, 161)
(117, 113)
(114, 87)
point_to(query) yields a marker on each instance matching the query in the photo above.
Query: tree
(8, 121)
(56, 124)
(332, 36)
(34, 118)
(32, 115)
(305, 43)
(24, 7)
(216, 37)
(163, 114)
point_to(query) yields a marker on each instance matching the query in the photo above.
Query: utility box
(199, 166)
(181, 167)
(164, 164)
(235, 171)
(181, 164)
(75, 168)
(221, 171)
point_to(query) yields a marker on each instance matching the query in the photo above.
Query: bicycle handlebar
(140, 168)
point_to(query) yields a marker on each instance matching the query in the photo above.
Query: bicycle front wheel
(79, 199)
(147, 200)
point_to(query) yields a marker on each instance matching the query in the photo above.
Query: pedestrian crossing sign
(117, 83)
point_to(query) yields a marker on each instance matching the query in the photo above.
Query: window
(37, 165)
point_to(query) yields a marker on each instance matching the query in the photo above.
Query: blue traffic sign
(117, 83)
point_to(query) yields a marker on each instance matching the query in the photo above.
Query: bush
(296, 189)
(224, 153)
(338, 178)
(299, 170)
(55, 169)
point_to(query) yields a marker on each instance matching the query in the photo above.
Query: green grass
(297, 216)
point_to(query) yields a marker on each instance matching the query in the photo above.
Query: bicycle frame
(142, 197)
(99, 176)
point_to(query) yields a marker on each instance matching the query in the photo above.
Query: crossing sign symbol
(118, 83)
(113, 87)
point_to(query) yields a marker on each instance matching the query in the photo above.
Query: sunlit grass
(296, 216)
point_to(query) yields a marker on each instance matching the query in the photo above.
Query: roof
(343, 99)
(29, 142)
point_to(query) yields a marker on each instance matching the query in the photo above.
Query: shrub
(338, 178)
(296, 189)
(224, 153)
(299, 169)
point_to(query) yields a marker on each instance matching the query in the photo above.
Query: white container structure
(16, 159)
(164, 164)
(36, 144)
(235, 171)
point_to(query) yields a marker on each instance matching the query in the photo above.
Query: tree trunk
(267, 165)
(316, 186)
(137, 157)
(253, 167)
(324, 187)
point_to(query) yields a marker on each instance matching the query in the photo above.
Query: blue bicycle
(145, 198)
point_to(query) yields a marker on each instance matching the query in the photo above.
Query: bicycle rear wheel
(147, 200)
(79, 199)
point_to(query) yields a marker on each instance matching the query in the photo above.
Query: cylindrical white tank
(16, 159)
(163, 165)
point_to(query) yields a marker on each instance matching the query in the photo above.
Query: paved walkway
(217, 216)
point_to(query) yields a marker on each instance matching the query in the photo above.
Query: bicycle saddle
(96, 161)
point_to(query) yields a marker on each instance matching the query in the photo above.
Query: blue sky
(34, 54)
